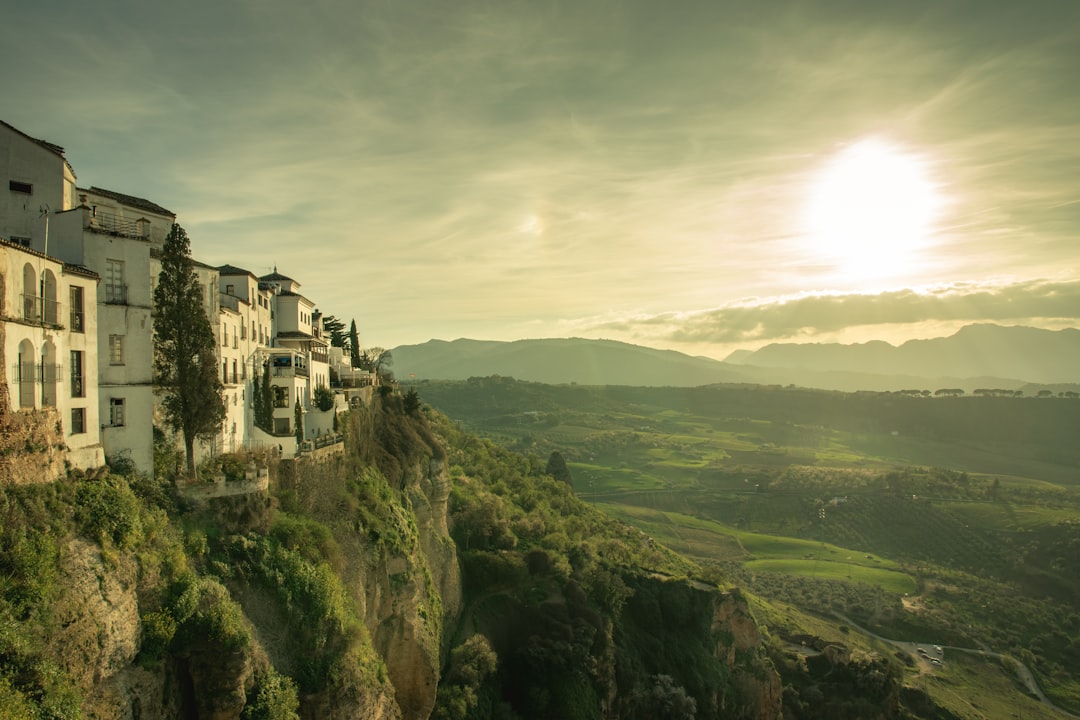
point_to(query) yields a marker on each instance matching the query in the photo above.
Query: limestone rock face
(758, 683)
(409, 597)
(98, 615)
(99, 635)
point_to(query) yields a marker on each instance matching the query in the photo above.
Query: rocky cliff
(421, 574)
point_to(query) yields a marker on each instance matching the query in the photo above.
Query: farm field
(945, 519)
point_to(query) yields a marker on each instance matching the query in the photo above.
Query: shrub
(274, 698)
(106, 510)
(323, 398)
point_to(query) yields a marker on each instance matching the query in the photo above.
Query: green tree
(185, 363)
(336, 329)
(298, 418)
(354, 345)
(323, 398)
(264, 415)
(411, 402)
(558, 469)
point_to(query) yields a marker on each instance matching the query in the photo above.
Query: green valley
(951, 520)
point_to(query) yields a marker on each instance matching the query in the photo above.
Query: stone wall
(32, 446)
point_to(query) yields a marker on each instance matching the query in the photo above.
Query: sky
(700, 175)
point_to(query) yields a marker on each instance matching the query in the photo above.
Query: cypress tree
(185, 361)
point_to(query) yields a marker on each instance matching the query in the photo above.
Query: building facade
(50, 345)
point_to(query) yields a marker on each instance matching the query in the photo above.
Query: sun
(871, 210)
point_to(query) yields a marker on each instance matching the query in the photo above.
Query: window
(230, 290)
(116, 412)
(75, 300)
(115, 290)
(78, 388)
(20, 187)
(234, 372)
(225, 371)
(78, 421)
(280, 396)
(21, 240)
(116, 349)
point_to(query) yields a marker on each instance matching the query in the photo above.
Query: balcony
(40, 310)
(115, 294)
(288, 366)
(78, 321)
(112, 224)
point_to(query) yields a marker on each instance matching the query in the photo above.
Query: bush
(158, 630)
(323, 398)
(107, 511)
(274, 698)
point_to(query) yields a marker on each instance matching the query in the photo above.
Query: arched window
(31, 310)
(49, 305)
(24, 373)
(50, 373)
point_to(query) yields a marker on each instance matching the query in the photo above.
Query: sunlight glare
(871, 211)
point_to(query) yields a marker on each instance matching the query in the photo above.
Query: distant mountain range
(989, 356)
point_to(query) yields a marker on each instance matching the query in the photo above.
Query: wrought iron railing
(36, 309)
(78, 321)
(115, 294)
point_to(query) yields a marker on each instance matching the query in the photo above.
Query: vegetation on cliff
(424, 572)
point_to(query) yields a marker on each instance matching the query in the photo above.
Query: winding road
(1022, 670)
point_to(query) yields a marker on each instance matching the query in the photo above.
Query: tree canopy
(336, 329)
(185, 362)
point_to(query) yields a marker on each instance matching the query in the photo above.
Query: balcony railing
(78, 321)
(290, 372)
(320, 357)
(43, 310)
(24, 374)
(78, 387)
(115, 294)
(113, 224)
(28, 375)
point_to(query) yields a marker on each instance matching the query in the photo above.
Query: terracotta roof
(276, 277)
(131, 201)
(80, 270)
(232, 270)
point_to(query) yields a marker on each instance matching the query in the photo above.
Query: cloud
(812, 315)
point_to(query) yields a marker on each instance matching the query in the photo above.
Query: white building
(49, 335)
(245, 326)
(113, 234)
(38, 178)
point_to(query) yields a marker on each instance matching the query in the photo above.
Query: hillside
(423, 573)
(975, 357)
(930, 520)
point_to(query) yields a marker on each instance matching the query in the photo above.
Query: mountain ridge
(982, 355)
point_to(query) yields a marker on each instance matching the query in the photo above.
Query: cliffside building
(48, 336)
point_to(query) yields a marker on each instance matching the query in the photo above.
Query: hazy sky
(635, 170)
